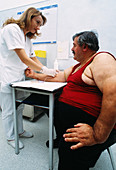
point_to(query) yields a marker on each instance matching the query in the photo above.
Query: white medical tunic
(11, 67)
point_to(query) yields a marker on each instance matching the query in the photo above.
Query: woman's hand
(49, 72)
(82, 133)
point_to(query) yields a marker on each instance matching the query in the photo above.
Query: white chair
(111, 158)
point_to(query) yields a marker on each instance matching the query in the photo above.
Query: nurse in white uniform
(16, 54)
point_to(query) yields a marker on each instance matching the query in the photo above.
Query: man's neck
(88, 56)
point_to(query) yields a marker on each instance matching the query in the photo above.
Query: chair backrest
(111, 158)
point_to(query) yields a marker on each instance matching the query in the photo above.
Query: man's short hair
(88, 38)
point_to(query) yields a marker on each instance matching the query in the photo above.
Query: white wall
(7, 4)
(75, 16)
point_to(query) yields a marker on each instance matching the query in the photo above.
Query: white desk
(44, 88)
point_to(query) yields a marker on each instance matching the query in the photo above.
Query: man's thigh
(85, 156)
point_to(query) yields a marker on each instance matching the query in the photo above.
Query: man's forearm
(104, 125)
(39, 76)
(58, 78)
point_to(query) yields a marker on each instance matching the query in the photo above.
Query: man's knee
(82, 158)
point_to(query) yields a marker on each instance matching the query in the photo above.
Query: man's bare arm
(60, 77)
(105, 79)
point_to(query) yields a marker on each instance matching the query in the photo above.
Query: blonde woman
(16, 54)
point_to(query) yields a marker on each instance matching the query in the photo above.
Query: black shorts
(67, 116)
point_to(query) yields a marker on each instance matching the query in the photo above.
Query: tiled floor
(34, 156)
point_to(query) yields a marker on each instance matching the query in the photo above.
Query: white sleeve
(13, 37)
(32, 53)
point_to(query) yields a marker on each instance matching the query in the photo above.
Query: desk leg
(15, 123)
(51, 106)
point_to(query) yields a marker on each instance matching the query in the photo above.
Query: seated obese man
(85, 118)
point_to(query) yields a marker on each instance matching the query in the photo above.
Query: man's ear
(85, 47)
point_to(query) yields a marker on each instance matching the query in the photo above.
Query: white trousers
(6, 104)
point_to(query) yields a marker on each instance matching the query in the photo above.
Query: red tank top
(81, 95)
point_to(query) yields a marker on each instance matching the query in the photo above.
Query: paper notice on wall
(40, 50)
(40, 53)
(63, 50)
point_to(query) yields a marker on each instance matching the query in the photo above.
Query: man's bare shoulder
(103, 68)
(104, 57)
(67, 72)
(103, 61)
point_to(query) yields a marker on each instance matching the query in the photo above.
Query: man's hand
(29, 73)
(82, 133)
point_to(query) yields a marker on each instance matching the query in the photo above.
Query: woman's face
(36, 23)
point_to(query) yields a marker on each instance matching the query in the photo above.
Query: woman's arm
(26, 60)
(37, 61)
(34, 63)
